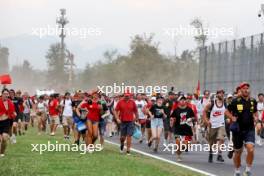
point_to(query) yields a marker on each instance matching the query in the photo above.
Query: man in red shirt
(7, 113)
(54, 113)
(126, 113)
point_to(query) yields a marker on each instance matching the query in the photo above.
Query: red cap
(243, 84)
(127, 93)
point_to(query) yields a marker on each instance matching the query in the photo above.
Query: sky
(114, 22)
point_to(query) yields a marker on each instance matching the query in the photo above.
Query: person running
(141, 104)
(54, 112)
(259, 125)
(7, 112)
(182, 118)
(93, 108)
(168, 103)
(33, 114)
(109, 119)
(157, 115)
(126, 114)
(16, 129)
(27, 104)
(242, 112)
(41, 115)
(67, 113)
(149, 104)
(194, 108)
(78, 133)
(214, 118)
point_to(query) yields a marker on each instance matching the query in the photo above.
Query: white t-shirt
(140, 105)
(41, 107)
(67, 110)
(260, 107)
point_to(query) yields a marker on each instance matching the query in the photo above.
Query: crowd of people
(179, 118)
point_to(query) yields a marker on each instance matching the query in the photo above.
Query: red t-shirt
(53, 111)
(93, 111)
(10, 111)
(127, 110)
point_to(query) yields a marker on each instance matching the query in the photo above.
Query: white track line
(165, 160)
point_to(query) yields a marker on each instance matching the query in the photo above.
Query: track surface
(199, 160)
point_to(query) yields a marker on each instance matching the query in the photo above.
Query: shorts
(157, 123)
(26, 117)
(67, 120)
(243, 137)
(55, 120)
(127, 129)
(4, 126)
(93, 122)
(215, 134)
(109, 119)
(41, 116)
(148, 123)
(142, 123)
(102, 127)
(19, 117)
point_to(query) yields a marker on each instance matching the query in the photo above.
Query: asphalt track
(199, 160)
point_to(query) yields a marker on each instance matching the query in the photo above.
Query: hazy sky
(118, 20)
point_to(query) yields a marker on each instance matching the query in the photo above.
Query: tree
(56, 66)
(201, 37)
(4, 65)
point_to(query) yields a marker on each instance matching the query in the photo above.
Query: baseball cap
(229, 96)
(243, 84)
(181, 97)
(153, 99)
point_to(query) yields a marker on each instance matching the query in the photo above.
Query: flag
(5, 79)
(198, 88)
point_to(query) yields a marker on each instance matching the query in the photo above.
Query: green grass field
(20, 160)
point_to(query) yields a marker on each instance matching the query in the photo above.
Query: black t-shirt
(168, 107)
(156, 111)
(17, 102)
(75, 104)
(181, 126)
(244, 110)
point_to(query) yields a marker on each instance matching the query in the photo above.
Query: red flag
(198, 88)
(5, 79)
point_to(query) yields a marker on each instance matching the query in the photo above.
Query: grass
(20, 160)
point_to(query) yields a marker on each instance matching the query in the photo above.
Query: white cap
(229, 96)
(153, 98)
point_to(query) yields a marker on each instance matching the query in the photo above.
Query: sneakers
(122, 148)
(52, 134)
(247, 173)
(128, 153)
(13, 139)
(220, 159)
(237, 174)
(179, 158)
(210, 159)
(149, 143)
(2, 155)
(155, 150)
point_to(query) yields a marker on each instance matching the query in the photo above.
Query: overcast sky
(118, 20)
